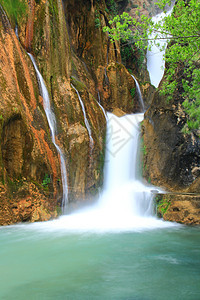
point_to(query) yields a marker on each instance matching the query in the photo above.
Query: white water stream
(139, 93)
(52, 124)
(102, 108)
(85, 119)
(126, 204)
(155, 57)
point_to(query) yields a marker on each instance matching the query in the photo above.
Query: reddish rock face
(27, 153)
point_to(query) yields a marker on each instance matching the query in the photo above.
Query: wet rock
(181, 208)
(172, 159)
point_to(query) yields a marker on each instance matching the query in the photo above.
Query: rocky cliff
(171, 157)
(68, 44)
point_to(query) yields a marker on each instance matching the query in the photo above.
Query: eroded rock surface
(69, 47)
(181, 208)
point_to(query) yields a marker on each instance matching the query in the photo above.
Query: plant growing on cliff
(15, 9)
(46, 181)
(112, 6)
(132, 91)
(182, 29)
(162, 205)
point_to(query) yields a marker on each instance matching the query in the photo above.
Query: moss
(15, 184)
(143, 147)
(97, 22)
(38, 37)
(15, 9)
(58, 210)
(132, 91)
(46, 181)
(162, 204)
(112, 6)
(74, 68)
(100, 167)
(119, 66)
(78, 84)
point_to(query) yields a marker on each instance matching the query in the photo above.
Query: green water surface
(149, 265)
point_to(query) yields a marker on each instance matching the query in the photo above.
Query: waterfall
(139, 93)
(85, 119)
(52, 124)
(125, 204)
(124, 195)
(16, 31)
(99, 103)
(155, 57)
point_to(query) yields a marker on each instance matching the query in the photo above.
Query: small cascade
(99, 103)
(52, 124)
(155, 57)
(16, 31)
(139, 93)
(85, 119)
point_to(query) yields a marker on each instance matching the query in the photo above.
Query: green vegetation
(162, 205)
(143, 147)
(46, 181)
(78, 84)
(97, 22)
(14, 185)
(15, 9)
(132, 91)
(144, 150)
(182, 29)
(127, 52)
(97, 19)
(112, 6)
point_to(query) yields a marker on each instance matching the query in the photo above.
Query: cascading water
(126, 204)
(155, 57)
(52, 124)
(139, 93)
(99, 103)
(123, 195)
(16, 31)
(85, 119)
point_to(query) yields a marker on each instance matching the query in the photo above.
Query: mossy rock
(162, 205)
(78, 84)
